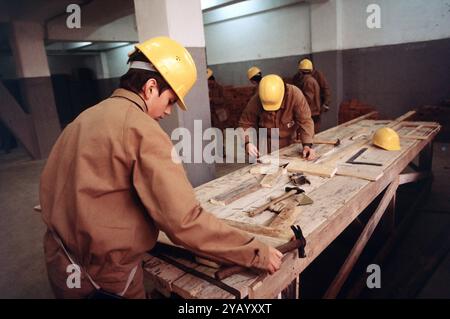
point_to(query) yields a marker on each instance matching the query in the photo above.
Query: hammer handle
(232, 270)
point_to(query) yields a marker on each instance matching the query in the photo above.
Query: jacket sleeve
(302, 115)
(325, 91)
(250, 115)
(163, 188)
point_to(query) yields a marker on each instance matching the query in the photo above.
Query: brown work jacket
(293, 119)
(311, 90)
(325, 91)
(109, 186)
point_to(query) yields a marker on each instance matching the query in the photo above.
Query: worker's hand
(309, 153)
(252, 150)
(274, 260)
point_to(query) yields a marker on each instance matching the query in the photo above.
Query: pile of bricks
(227, 112)
(352, 109)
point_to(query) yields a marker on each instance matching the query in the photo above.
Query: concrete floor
(21, 232)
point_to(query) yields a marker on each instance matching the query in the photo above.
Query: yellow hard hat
(173, 62)
(252, 72)
(209, 73)
(386, 138)
(271, 92)
(305, 64)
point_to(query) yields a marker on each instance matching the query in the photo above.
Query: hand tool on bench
(299, 179)
(290, 191)
(298, 243)
(289, 213)
(335, 143)
(352, 160)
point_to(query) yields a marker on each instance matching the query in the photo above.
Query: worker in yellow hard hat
(283, 106)
(219, 113)
(110, 185)
(386, 138)
(320, 104)
(254, 75)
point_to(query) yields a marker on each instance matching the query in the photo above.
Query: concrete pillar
(27, 43)
(182, 21)
(326, 45)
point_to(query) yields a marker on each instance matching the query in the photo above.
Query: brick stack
(352, 109)
(226, 111)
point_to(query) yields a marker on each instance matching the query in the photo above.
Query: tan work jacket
(293, 119)
(109, 186)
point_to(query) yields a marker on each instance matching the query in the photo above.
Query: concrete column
(27, 43)
(182, 21)
(326, 45)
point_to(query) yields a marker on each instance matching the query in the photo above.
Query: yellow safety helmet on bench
(271, 92)
(173, 62)
(387, 139)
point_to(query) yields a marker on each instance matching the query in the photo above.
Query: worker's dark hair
(257, 78)
(135, 79)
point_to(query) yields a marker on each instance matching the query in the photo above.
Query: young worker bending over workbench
(282, 106)
(110, 185)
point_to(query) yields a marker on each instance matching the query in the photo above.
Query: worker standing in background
(311, 91)
(283, 106)
(325, 92)
(219, 114)
(110, 185)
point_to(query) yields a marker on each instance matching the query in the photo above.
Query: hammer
(335, 143)
(289, 192)
(299, 243)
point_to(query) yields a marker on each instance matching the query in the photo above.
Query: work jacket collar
(132, 97)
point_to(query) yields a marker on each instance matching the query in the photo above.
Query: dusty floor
(23, 273)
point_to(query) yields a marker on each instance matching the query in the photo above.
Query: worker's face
(159, 105)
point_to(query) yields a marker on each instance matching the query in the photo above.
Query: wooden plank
(370, 173)
(413, 177)
(269, 180)
(357, 249)
(302, 166)
(400, 119)
(162, 275)
(237, 192)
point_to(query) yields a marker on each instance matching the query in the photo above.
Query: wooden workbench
(338, 200)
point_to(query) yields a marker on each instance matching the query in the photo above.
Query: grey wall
(397, 78)
(393, 78)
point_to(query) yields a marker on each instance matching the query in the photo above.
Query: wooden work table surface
(338, 200)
